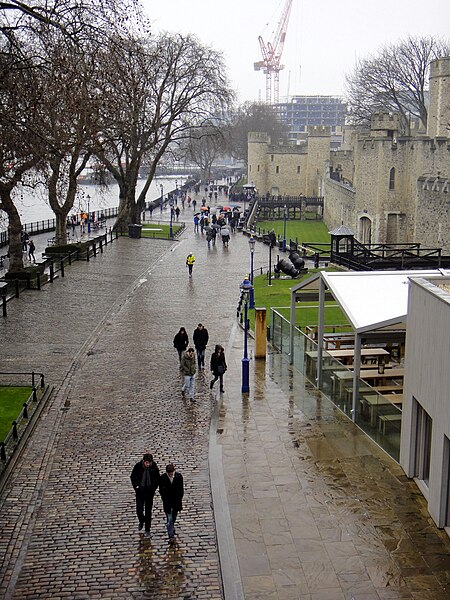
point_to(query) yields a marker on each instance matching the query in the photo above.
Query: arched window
(392, 179)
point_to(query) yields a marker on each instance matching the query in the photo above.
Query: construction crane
(271, 53)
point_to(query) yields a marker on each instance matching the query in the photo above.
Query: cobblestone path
(103, 337)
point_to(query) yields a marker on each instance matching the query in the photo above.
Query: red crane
(271, 53)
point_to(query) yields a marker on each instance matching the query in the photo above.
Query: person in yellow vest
(190, 260)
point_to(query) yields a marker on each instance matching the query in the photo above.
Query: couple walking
(188, 369)
(146, 479)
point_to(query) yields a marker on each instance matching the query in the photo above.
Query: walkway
(304, 504)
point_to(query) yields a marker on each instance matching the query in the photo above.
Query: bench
(384, 419)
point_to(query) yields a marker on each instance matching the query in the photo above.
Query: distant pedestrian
(190, 260)
(225, 233)
(218, 366)
(188, 370)
(200, 337)
(145, 480)
(177, 212)
(181, 342)
(31, 249)
(196, 222)
(171, 488)
(24, 238)
(194, 203)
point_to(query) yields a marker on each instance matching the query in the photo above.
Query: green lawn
(157, 230)
(278, 296)
(11, 402)
(302, 231)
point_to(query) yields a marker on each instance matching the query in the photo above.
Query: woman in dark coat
(181, 342)
(218, 366)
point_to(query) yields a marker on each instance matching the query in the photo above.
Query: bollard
(38, 281)
(2, 451)
(52, 271)
(4, 304)
(25, 410)
(94, 247)
(14, 430)
(32, 379)
(17, 288)
(42, 380)
(87, 253)
(34, 394)
(70, 258)
(101, 245)
(62, 267)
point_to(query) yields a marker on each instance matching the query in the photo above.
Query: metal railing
(47, 269)
(20, 423)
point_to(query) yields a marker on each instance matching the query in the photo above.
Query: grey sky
(323, 40)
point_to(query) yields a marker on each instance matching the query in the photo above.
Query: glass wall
(378, 415)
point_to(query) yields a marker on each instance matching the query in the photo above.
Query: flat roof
(371, 299)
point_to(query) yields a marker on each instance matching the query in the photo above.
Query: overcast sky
(324, 37)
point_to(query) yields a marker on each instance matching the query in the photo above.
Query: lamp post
(246, 286)
(161, 187)
(270, 264)
(171, 218)
(89, 213)
(284, 228)
(251, 243)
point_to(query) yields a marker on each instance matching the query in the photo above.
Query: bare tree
(165, 88)
(395, 79)
(253, 116)
(203, 147)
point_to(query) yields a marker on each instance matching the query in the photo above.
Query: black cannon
(287, 267)
(297, 260)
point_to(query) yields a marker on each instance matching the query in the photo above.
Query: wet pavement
(297, 500)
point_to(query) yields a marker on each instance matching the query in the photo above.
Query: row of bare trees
(88, 79)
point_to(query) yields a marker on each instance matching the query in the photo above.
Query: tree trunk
(14, 231)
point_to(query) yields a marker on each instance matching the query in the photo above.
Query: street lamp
(246, 286)
(161, 187)
(284, 231)
(89, 213)
(171, 217)
(251, 243)
(270, 263)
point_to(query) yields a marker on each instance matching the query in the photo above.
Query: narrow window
(271, 157)
(277, 170)
(298, 169)
(258, 168)
(392, 179)
(250, 168)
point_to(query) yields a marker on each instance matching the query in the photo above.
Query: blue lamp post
(251, 243)
(171, 218)
(284, 230)
(89, 213)
(246, 286)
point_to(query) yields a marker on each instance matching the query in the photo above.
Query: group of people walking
(145, 479)
(188, 362)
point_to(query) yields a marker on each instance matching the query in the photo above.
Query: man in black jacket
(172, 490)
(200, 339)
(145, 481)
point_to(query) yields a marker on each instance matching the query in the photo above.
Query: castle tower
(439, 107)
(384, 124)
(257, 160)
(319, 138)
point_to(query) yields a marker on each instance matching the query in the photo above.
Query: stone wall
(432, 217)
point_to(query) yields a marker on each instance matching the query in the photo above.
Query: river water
(33, 204)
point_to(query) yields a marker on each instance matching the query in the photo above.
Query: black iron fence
(20, 425)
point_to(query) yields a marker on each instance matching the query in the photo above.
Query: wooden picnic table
(369, 375)
(374, 401)
(344, 354)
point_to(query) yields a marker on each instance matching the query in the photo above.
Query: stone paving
(305, 505)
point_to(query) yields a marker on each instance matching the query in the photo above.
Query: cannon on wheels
(286, 267)
(297, 260)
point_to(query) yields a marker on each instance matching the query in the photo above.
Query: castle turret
(319, 138)
(439, 106)
(384, 124)
(257, 158)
